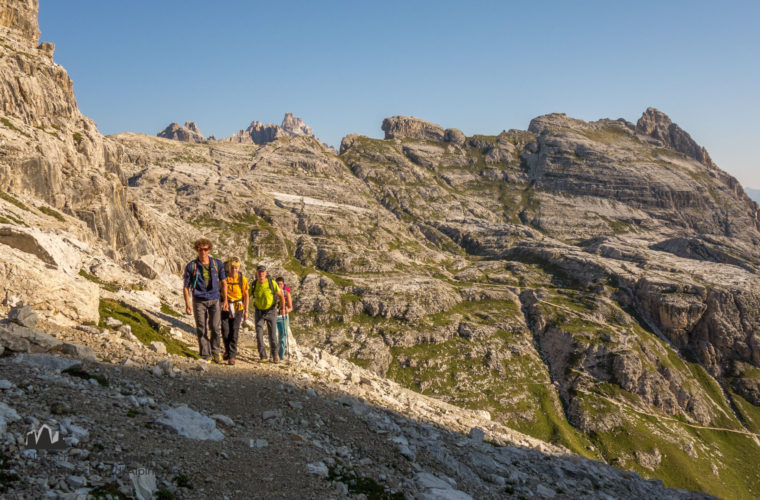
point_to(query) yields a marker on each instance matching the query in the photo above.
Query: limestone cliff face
(672, 180)
(20, 19)
(51, 152)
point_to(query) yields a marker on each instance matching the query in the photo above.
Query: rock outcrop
(658, 125)
(399, 127)
(295, 126)
(187, 133)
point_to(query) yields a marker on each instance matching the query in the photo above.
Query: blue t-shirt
(198, 283)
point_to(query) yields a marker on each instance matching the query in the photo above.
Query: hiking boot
(226, 356)
(263, 360)
(231, 361)
(276, 359)
(217, 358)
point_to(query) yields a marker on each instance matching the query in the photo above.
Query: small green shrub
(145, 329)
(77, 136)
(182, 481)
(13, 201)
(52, 213)
(111, 287)
(166, 309)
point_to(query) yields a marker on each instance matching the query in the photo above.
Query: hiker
(283, 322)
(265, 295)
(205, 281)
(237, 297)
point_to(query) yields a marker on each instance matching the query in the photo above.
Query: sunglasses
(204, 249)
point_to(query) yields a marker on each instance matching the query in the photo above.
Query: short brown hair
(203, 242)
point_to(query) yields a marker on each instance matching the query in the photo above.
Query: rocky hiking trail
(314, 427)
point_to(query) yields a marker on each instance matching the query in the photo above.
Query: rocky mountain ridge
(574, 279)
(256, 133)
(593, 285)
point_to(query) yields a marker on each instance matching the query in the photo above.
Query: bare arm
(188, 308)
(245, 303)
(282, 302)
(223, 291)
(289, 303)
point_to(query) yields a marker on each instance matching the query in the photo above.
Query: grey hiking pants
(268, 318)
(208, 320)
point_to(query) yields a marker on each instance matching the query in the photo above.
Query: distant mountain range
(753, 193)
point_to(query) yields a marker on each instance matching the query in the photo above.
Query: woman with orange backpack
(237, 296)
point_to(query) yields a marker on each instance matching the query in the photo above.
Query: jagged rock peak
(397, 127)
(658, 125)
(260, 133)
(19, 17)
(187, 133)
(295, 126)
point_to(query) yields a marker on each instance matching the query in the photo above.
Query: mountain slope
(574, 280)
(591, 284)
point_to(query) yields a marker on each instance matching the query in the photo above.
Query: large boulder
(190, 424)
(54, 293)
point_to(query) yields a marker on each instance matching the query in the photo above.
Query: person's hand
(188, 309)
(245, 316)
(226, 306)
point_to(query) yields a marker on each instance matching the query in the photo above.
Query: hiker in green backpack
(265, 294)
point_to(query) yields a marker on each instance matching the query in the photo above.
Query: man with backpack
(206, 282)
(265, 294)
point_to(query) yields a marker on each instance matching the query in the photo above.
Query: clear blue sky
(480, 66)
